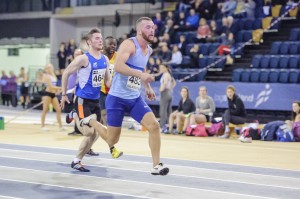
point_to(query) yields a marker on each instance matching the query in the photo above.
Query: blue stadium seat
(284, 76)
(221, 63)
(274, 76)
(201, 75)
(245, 76)
(188, 48)
(264, 76)
(257, 24)
(186, 61)
(274, 61)
(212, 48)
(247, 35)
(256, 61)
(293, 48)
(294, 34)
(284, 48)
(239, 37)
(293, 61)
(204, 49)
(236, 75)
(190, 37)
(248, 24)
(294, 76)
(283, 61)
(259, 12)
(275, 47)
(202, 62)
(264, 61)
(254, 75)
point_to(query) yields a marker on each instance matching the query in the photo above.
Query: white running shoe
(160, 169)
(246, 140)
(86, 120)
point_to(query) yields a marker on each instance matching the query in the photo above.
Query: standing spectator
(12, 88)
(23, 81)
(62, 57)
(167, 84)
(4, 91)
(186, 107)
(236, 112)
(70, 50)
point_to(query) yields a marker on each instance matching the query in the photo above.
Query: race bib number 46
(133, 83)
(98, 76)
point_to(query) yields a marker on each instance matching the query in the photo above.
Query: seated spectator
(236, 112)
(182, 44)
(168, 28)
(186, 106)
(151, 68)
(180, 22)
(192, 20)
(184, 5)
(240, 10)
(203, 7)
(295, 114)
(170, 16)
(158, 21)
(203, 31)
(194, 55)
(214, 36)
(205, 107)
(176, 56)
(165, 40)
(250, 6)
(228, 8)
(165, 55)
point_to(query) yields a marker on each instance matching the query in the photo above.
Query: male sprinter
(125, 96)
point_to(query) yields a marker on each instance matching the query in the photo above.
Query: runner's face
(97, 41)
(111, 45)
(148, 31)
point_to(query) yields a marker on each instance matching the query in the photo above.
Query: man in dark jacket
(236, 112)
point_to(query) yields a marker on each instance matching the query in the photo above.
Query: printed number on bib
(133, 83)
(98, 76)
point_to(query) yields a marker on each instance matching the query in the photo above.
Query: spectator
(166, 54)
(152, 67)
(12, 88)
(165, 40)
(62, 57)
(70, 50)
(203, 7)
(4, 91)
(184, 5)
(250, 6)
(176, 56)
(158, 21)
(194, 55)
(186, 107)
(228, 7)
(192, 20)
(236, 112)
(182, 44)
(240, 10)
(23, 81)
(203, 31)
(168, 28)
(167, 84)
(180, 23)
(205, 107)
(214, 36)
(295, 114)
(170, 16)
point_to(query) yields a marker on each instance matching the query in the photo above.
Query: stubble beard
(146, 38)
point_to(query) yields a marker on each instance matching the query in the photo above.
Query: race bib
(133, 83)
(98, 76)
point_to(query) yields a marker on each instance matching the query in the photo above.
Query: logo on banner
(263, 96)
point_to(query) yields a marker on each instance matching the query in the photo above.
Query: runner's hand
(145, 77)
(64, 98)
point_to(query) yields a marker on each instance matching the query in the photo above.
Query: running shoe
(160, 169)
(78, 166)
(70, 116)
(75, 133)
(115, 153)
(92, 153)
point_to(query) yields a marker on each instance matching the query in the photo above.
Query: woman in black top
(185, 107)
(236, 112)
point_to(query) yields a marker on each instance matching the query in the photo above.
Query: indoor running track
(38, 172)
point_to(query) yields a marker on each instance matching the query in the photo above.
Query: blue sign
(259, 96)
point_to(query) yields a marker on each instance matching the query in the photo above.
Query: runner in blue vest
(91, 69)
(125, 96)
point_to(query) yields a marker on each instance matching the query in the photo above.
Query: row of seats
(266, 75)
(285, 47)
(275, 61)
(24, 41)
(203, 62)
(295, 34)
(182, 73)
